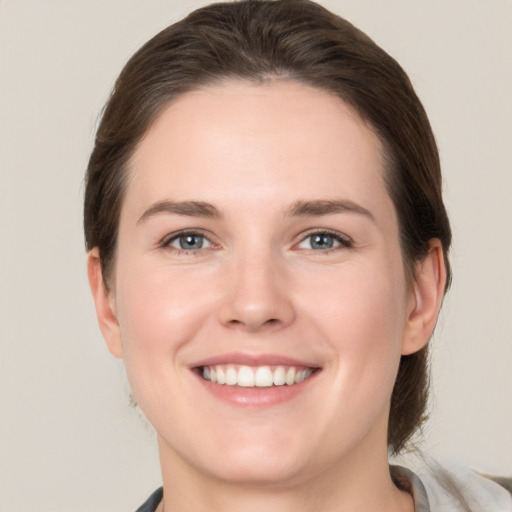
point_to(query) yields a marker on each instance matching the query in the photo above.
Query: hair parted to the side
(257, 40)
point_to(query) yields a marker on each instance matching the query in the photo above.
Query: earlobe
(427, 296)
(104, 303)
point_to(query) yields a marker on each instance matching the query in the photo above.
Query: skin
(258, 286)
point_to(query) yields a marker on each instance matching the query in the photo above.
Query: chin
(258, 471)
(256, 459)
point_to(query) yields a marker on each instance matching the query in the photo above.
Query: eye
(188, 241)
(324, 240)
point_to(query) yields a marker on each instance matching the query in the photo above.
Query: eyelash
(168, 240)
(343, 241)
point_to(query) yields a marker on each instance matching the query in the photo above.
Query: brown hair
(298, 39)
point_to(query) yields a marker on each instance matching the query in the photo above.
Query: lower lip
(257, 396)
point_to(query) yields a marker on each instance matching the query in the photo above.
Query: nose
(259, 295)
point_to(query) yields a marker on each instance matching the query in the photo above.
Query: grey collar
(406, 480)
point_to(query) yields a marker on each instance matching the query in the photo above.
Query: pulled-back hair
(256, 40)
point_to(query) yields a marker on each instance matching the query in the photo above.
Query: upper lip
(239, 358)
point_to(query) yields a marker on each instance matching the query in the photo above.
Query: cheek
(362, 316)
(155, 310)
(359, 304)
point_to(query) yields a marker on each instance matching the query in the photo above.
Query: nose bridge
(258, 298)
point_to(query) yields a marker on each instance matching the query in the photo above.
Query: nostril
(255, 324)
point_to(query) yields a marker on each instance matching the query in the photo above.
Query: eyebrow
(327, 207)
(187, 208)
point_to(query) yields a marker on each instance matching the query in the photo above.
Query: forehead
(239, 141)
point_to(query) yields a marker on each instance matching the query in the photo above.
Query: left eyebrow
(327, 207)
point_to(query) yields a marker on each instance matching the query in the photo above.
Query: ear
(104, 303)
(426, 298)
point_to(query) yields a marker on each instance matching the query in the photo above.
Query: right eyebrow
(187, 208)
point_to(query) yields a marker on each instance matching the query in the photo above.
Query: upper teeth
(261, 376)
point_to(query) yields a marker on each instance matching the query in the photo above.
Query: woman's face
(258, 246)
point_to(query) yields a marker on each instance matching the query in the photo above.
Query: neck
(350, 486)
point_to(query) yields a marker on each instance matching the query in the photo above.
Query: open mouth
(255, 376)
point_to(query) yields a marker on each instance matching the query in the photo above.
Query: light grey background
(68, 439)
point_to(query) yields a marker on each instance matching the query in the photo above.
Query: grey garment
(504, 482)
(454, 487)
(408, 481)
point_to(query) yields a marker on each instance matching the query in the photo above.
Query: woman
(268, 253)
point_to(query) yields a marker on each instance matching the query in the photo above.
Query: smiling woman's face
(258, 247)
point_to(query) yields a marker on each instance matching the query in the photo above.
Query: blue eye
(188, 242)
(323, 241)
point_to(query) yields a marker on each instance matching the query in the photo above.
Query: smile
(259, 376)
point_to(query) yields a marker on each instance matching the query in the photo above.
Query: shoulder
(457, 488)
(152, 502)
(455, 485)
(506, 483)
